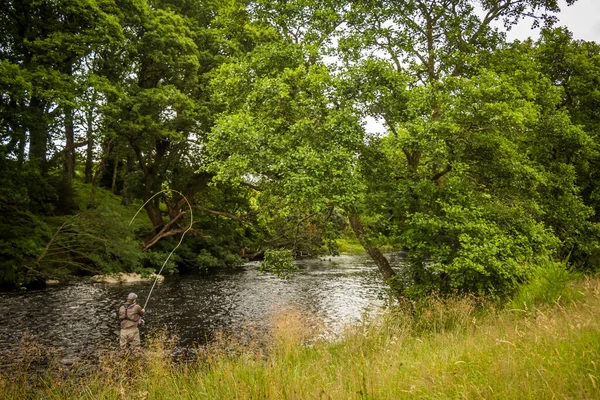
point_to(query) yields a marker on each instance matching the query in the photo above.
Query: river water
(81, 318)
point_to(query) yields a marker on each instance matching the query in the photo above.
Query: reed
(449, 349)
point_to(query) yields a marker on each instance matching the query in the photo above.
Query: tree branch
(441, 173)
(160, 236)
(219, 213)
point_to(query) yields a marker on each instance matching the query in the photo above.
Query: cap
(132, 296)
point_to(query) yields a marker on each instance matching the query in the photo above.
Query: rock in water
(122, 277)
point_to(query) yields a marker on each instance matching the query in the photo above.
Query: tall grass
(449, 349)
(552, 283)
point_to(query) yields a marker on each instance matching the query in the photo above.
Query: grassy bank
(449, 349)
(351, 246)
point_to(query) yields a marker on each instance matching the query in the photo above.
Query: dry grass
(450, 349)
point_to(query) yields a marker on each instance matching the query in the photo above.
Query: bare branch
(160, 236)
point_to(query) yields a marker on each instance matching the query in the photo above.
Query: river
(81, 318)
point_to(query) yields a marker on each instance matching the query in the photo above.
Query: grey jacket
(130, 315)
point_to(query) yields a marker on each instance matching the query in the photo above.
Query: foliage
(97, 239)
(552, 283)
(574, 66)
(349, 246)
(23, 239)
(279, 262)
(127, 81)
(468, 179)
(254, 111)
(154, 261)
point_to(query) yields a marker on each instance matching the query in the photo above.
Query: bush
(279, 262)
(23, 237)
(97, 240)
(551, 283)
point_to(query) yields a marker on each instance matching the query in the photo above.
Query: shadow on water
(81, 318)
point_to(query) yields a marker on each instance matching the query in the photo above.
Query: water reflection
(82, 318)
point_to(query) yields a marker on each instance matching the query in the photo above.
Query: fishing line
(180, 240)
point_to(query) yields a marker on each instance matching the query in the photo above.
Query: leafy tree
(574, 66)
(463, 180)
(45, 45)
(285, 130)
(130, 75)
(489, 163)
(162, 110)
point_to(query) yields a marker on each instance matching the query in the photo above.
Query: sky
(582, 19)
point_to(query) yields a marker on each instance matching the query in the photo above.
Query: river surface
(81, 318)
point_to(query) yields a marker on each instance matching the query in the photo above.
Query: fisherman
(131, 317)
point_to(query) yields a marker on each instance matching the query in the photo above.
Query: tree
(454, 183)
(284, 128)
(46, 44)
(462, 180)
(162, 113)
(574, 66)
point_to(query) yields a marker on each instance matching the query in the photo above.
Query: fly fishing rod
(180, 240)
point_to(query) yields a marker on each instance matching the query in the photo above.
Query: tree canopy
(255, 111)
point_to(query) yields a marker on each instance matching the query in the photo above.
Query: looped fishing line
(180, 240)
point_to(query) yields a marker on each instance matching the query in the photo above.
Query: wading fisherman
(131, 317)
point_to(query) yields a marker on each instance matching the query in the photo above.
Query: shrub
(279, 262)
(551, 283)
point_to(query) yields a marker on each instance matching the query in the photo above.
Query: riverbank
(349, 245)
(534, 348)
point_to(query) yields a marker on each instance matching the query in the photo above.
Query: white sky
(582, 19)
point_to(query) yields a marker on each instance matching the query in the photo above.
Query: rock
(68, 361)
(122, 277)
(52, 282)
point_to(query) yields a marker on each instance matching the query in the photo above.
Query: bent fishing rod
(180, 240)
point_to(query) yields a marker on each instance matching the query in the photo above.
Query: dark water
(82, 318)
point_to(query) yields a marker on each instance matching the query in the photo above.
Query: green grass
(551, 283)
(451, 348)
(106, 200)
(351, 246)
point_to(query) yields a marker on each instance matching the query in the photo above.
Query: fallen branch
(156, 238)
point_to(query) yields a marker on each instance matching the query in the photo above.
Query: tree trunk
(113, 186)
(380, 260)
(22, 146)
(99, 172)
(22, 134)
(69, 146)
(89, 154)
(38, 134)
(389, 275)
(125, 199)
(153, 209)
